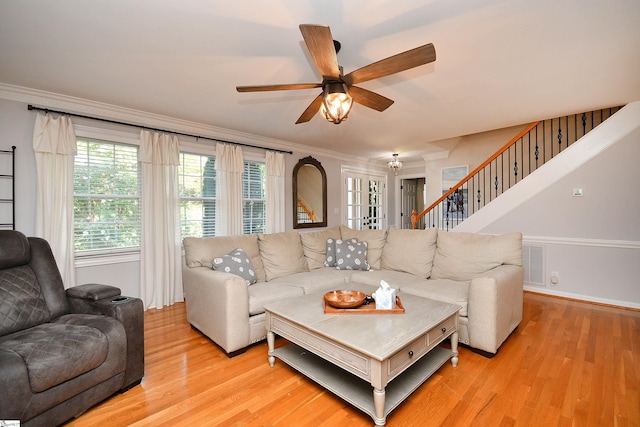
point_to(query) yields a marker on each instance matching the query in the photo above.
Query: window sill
(105, 258)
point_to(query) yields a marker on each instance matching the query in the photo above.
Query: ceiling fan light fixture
(395, 165)
(336, 102)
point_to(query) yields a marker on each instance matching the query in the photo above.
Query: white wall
(16, 128)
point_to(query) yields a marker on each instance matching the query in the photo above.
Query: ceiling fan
(338, 90)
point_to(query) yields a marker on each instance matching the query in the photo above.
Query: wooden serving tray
(363, 309)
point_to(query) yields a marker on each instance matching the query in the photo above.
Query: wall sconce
(395, 165)
(336, 102)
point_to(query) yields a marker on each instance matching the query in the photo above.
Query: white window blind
(106, 203)
(197, 184)
(254, 207)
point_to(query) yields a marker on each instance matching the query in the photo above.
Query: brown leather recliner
(61, 352)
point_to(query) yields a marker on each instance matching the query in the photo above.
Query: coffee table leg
(271, 340)
(379, 397)
(454, 349)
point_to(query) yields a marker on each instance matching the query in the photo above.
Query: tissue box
(385, 299)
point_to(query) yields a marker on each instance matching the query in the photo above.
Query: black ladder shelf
(4, 200)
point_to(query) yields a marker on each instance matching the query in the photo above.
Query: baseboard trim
(625, 305)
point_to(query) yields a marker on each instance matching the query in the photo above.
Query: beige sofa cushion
(411, 251)
(395, 279)
(463, 256)
(314, 245)
(264, 293)
(282, 254)
(375, 242)
(444, 290)
(319, 280)
(200, 251)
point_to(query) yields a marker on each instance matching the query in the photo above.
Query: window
(106, 201)
(197, 184)
(254, 208)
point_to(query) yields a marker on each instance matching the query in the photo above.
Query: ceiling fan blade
(320, 44)
(393, 64)
(369, 99)
(266, 88)
(311, 110)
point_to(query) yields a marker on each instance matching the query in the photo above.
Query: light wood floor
(569, 363)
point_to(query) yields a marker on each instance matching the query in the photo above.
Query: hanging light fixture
(395, 165)
(336, 102)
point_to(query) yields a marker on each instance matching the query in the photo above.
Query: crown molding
(86, 107)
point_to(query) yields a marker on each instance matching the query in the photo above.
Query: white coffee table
(334, 349)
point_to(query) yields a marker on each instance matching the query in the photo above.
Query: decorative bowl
(345, 299)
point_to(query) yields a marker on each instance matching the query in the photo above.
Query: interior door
(365, 202)
(409, 188)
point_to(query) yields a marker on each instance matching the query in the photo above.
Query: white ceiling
(499, 62)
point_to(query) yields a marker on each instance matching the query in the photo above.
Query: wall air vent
(533, 263)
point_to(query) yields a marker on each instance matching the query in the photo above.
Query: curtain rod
(46, 110)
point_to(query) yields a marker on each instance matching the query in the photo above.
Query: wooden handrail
(310, 213)
(415, 217)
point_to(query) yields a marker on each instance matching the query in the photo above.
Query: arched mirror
(309, 194)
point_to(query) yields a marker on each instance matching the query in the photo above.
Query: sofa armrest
(106, 300)
(218, 306)
(495, 306)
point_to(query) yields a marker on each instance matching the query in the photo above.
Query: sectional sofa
(228, 280)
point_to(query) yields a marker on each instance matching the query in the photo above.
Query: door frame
(347, 171)
(398, 193)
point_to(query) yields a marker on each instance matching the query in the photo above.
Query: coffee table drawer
(407, 355)
(417, 348)
(441, 331)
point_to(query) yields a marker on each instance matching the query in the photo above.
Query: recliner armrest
(93, 291)
(93, 298)
(15, 391)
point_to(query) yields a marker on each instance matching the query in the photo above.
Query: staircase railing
(304, 213)
(535, 145)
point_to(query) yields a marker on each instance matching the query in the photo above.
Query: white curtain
(275, 192)
(54, 143)
(160, 250)
(229, 168)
